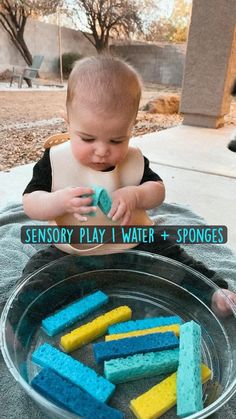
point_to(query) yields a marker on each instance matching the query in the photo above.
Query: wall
(42, 39)
(157, 63)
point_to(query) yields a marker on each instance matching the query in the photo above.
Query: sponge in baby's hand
(189, 388)
(101, 199)
(74, 312)
(160, 398)
(138, 366)
(104, 351)
(73, 370)
(71, 397)
(91, 331)
(144, 324)
(105, 202)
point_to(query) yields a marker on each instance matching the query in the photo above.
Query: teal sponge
(101, 199)
(139, 366)
(189, 385)
(104, 202)
(73, 370)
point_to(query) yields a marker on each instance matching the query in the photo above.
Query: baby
(102, 103)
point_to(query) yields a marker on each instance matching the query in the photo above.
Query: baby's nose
(101, 151)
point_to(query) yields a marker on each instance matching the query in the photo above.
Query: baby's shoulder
(134, 153)
(56, 139)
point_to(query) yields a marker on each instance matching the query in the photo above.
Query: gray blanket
(14, 255)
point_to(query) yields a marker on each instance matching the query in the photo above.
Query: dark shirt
(42, 175)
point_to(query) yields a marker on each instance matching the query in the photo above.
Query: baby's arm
(202, 289)
(150, 195)
(126, 200)
(42, 205)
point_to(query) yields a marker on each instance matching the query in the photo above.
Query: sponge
(189, 388)
(160, 398)
(101, 198)
(138, 366)
(73, 370)
(104, 202)
(144, 324)
(91, 331)
(161, 329)
(71, 397)
(135, 345)
(74, 312)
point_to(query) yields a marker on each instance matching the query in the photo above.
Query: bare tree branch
(109, 17)
(14, 15)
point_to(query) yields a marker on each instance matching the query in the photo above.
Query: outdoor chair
(27, 73)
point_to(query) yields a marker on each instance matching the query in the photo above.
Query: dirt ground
(27, 118)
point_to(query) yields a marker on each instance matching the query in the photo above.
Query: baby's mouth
(100, 164)
(103, 166)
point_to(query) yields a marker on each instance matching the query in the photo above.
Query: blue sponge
(101, 198)
(104, 202)
(135, 345)
(143, 324)
(189, 383)
(76, 311)
(71, 397)
(73, 370)
(138, 366)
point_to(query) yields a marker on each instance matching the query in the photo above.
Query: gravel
(27, 118)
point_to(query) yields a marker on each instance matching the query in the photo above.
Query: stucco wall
(42, 39)
(157, 63)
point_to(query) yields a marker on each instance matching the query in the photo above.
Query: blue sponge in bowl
(71, 397)
(73, 370)
(73, 312)
(104, 351)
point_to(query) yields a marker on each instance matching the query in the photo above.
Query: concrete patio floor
(195, 164)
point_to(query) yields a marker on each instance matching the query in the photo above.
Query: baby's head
(102, 103)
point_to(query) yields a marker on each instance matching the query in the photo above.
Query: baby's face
(99, 140)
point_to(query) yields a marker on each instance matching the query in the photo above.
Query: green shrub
(68, 60)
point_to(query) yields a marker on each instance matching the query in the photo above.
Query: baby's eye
(87, 140)
(116, 142)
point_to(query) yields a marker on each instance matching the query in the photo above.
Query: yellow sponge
(160, 398)
(160, 329)
(98, 327)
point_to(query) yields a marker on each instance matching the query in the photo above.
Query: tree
(174, 28)
(181, 19)
(14, 15)
(106, 18)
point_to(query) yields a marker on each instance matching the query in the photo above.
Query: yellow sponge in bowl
(92, 330)
(160, 398)
(160, 329)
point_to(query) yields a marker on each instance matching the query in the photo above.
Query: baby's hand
(72, 200)
(220, 305)
(124, 201)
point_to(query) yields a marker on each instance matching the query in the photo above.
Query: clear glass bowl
(152, 286)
